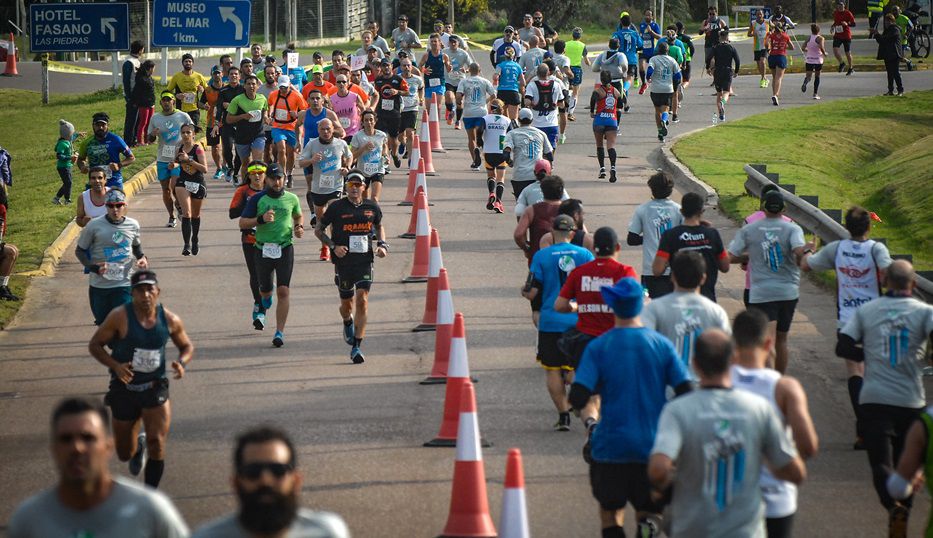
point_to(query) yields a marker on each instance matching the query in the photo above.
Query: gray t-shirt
(370, 162)
(530, 196)
(681, 317)
(381, 42)
(770, 244)
(530, 61)
(662, 78)
(476, 92)
(719, 439)
(410, 102)
(169, 133)
(525, 33)
(651, 220)
(460, 59)
(325, 175)
(405, 40)
(131, 511)
(894, 332)
(307, 524)
(616, 65)
(113, 244)
(528, 144)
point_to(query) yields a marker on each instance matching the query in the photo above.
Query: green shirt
(676, 53)
(903, 22)
(241, 103)
(286, 207)
(575, 50)
(63, 152)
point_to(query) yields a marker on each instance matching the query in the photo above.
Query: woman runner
(604, 105)
(256, 177)
(189, 187)
(777, 44)
(370, 147)
(815, 53)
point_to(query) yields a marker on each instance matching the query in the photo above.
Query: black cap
(275, 170)
(144, 277)
(774, 202)
(605, 241)
(101, 117)
(564, 223)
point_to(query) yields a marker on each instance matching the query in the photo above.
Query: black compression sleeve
(634, 239)
(683, 388)
(579, 396)
(138, 251)
(549, 156)
(847, 349)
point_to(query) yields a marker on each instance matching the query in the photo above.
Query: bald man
(326, 160)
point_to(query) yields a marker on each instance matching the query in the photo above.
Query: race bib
(359, 244)
(434, 82)
(146, 360)
(255, 116)
(169, 151)
(281, 114)
(115, 271)
(388, 104)
(273, 251)
(188, 98)
(371, 168)
(328, 181)
(192, 187)
(345, 122)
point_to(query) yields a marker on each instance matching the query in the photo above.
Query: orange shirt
(355, 88)
(325, 88)
(209, 97)
(281, 106)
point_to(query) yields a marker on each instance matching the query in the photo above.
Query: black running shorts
(662, 99)
(616, 484)
(350, 277)
(550, 355)
(657, 286)
(128, 405)
(389, 124)
(281, 267)
(780, 311)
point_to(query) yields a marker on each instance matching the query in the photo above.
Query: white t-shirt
(476, 92)
(528, 145)
(545, 116)
(496, 129)
(371, 161)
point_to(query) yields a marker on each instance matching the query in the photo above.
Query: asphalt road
(359, 429)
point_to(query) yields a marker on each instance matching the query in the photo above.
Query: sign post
(201, 24)
(79, 27)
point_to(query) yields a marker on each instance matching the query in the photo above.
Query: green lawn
(29, 131)
(872, 151)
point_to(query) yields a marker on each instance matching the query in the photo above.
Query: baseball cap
(316, 69)
(283, 80)
(774, 202)
(564, 223)
(623, 14)
(342, 67)
(354, 176)
(115, 196)
(384, 61)
(275, 170)
(166, 95)
(215, 69)
(509, 29)
(144, 277)
(526, 114)
(625, 298)
(542, 165)
(102, 117)
(605, 241)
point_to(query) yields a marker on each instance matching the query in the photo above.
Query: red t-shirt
(839, 17)
(779, 41)
(594, 317)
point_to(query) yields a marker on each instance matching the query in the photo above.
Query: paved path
(359, 429)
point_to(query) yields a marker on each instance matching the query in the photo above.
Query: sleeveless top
(188, 173)
(542, 218)
(310, 123)
(780, 497)
(577, 238)
(90, 208)
(436, 63)
(856, 276)
(145, 348)
(347, 112)
(812, 51)
(606, 106)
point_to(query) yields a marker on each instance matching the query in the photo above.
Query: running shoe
(229, 176)
(475, 167)
(449, 116)
(663, 130)
(602, 172)
(637, 82)
(767, 83)
(612, 175)
(138, 461)
(186, 251)
(587, 456)
(842, 66)
(562, 138)
(457, 125)
(497, 207)
(7, 295)
(279, 339)
(774, 100)
(563, 423)
(641, 91)
(396, 161)
(171, 222)
(722, 118)
(401, 149)
(817, 97)
(890, 93)
(357, 356)
(288, 181)
(259, 318)
(66, 201)
(56, 201)
(850, 71)
(325, 253)
(763, 83)
(897, 521)
(195, 248)
(675, 119)
(218, 174)
(491, 202)
(625, 108)
(348, 331)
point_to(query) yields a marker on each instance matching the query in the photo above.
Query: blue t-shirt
(646, 36)
(551, 266)
(500, 50)
(509, 71)
(106, 151)
(630, 368)
(629, 43)
(297, 76)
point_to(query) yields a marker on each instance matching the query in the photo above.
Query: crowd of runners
(687, 415)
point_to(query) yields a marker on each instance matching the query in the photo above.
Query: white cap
(284, 80)
(526, 114)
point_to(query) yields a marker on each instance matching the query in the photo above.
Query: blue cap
(625, 298)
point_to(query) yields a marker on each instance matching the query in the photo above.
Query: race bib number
(169, 151)
(281, 114)
(115, 271)
(188, 98)
(192, 187)
(255, 116)
(328, 181)
(345, 122)
(329, 174)
(146, 360)
(388, 104)
(359, 244)
(374, 167)
(434, 82)
(273, 251)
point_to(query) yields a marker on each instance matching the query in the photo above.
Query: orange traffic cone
(425, 147)
(434, 122)
(469, 506)
(10, 70)
(444, 331)
(435, 263)
(514, 520)
(413, 171)
(413, 221)
(419, 266)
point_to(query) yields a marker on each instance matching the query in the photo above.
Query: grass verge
(872, 151)
(29, 132)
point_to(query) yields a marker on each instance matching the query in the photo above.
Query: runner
(435, 65)
(758, 30)
(578, 55)
(779, 17)
(675, 49)
(474, 93)
(275, 214)
(249, 111)
(285, 107)
(367, 44)
(91, 202)
(378, 40)
(712, 26)
(532, 194)
(689, 51)
(650, 221)
(256, 174)
(370, 147)
(256, 56)
(502, 45)
(523, 147)
(316, 112)
(347, 107)
(543, 95)
(894, 331)
(109, 248)
(549, 269)
(226, 130)
(631, 388)
(189, 187)
(296, 75)
(814, 53)
(564, 74)
(683, 314)
(404, 38)
(510, 83)
(412, 103)
(354, 222)
(550, 35)
(663, 73)
(166, 128)
(693, 235)
(711, 437)
(208, 103)
(104, 149)
(186, 85)
(246, 69)
(528, 30)
(615, 63)
(317, 81)
(270, 77)
(460, 60)
(604, 109)
(720, 65)
(875, 15)
(777, 44)
(537, 221)
(88, 500)
(390, 88)
(787, 398)
(531, 59)
(859, 264)
(329, 159)
(492, 128)
(843, 22)
(914, 459)
(573, 208)
(650, 33)
(766, 246)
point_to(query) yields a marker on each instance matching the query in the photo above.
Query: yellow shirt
(186, 89)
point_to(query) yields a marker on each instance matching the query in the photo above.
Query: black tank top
(188, 172)
(577, 238)
(145, 348)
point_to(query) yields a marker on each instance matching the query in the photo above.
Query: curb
(53, 254)
(684, 180)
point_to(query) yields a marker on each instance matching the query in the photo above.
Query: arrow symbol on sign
(107, 24)
(226, 14)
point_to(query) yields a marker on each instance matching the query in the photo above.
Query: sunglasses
(253, 471)
(341, 82)
(115, 205)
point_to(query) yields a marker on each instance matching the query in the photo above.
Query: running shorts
(127, 405)
(103, 300)
(646, 54)
(657, 286)
(349, 277)
(722, 80)
(494, 160)
(780, 311)
(519, 185)
(603, 125)
(814, 67)
(551, 133)
(662, 99)
(573, 343)
(211, 139)
(195, 116)
(200, 195)
(450, 87)
(761, 54)
(472, 123)
(243, 150)
(577, 75)
(632, 70)
(615, 485)
(550, 355)
(375, 178)
(284, 134)
(777, 61)
(409, 120)
(320, 200)
(281, 267)
(509, 97)
(431, 90)
(388, 124)
(844, 43)
(685, 72)
(164, 174)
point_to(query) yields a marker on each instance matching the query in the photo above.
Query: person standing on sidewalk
(128, 70)
(8, 253)
(65, 158)
(890, 50)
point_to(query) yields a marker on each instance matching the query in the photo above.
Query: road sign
(201, 23)
(79, 27)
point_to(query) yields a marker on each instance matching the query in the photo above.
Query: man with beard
(267, 484)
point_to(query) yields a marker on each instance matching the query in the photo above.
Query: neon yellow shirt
(186, 89)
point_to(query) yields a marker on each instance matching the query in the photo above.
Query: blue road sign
(200, 23)
(79, 27)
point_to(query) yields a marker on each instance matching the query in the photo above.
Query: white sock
(4, 280)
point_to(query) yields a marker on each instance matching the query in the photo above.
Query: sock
(601, 156)
(612, 157)
(573, 105)
(500, 188)
(641, 75)
(186, 230)
(450, 106)
(664, 116)
(589, 422)
(154, 469)
(348, 322)
(357, 342)
(816, 85)
(195, 229)
(5, 281)
(491, 185)
(625, 86)
(459, 113)
(477, 160)
(855, 388)
(613, 532)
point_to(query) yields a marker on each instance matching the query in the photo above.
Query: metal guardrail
(813, 219)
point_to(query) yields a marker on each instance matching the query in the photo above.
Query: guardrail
(824, 223)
